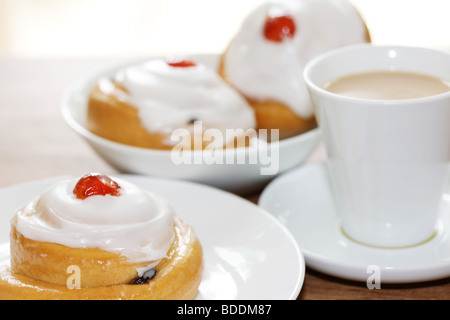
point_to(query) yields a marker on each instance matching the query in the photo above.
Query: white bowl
(240, 176)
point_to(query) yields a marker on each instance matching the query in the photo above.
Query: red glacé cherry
(95, 184)
(181, 63)
(278, 28)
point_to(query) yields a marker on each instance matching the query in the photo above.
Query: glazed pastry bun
(265, 59)
(100, 238)
(142, 105)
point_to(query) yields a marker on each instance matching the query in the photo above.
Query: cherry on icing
(181, 63)
(95, 184)
(277, 28)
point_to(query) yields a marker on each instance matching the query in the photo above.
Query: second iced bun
(143, 104)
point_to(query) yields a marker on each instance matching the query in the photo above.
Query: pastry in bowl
(147, 104)
(265, 59)
(100, 238)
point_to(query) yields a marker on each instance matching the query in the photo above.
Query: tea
(388, 85)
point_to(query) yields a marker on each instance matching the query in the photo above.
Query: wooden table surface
(36, 143)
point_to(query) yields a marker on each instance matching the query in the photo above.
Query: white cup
(388, 159)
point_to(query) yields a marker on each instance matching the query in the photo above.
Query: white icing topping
(169, 97)
(137, 224)
(267, 70)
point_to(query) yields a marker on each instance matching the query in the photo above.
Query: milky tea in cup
(388, 85)
(384, 115)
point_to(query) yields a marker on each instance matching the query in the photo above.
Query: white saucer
(302, 200)
(248, 254)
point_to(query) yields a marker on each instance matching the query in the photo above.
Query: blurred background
(120, 28)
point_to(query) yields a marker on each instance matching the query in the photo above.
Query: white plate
(302, 199)
(248, 254)
(243, 175)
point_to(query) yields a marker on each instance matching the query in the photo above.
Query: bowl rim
(85, 133)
